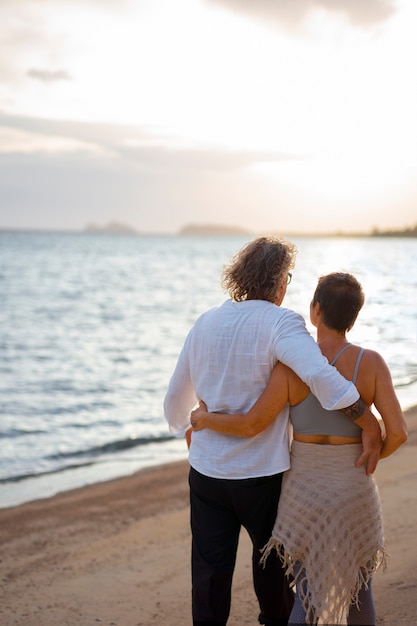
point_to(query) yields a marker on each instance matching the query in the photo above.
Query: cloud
(49, 76)
(204, 158)
(78, 172)
(139, 176)
(29, 29)
(104, 135)
(292, 13)
(147, 147)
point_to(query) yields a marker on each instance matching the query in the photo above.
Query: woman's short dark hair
(258, 269)
(341, 297)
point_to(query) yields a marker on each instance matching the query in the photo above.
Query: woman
(328, 530)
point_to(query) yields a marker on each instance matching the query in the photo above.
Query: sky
(288, 116)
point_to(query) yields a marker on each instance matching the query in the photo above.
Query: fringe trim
(290, 561)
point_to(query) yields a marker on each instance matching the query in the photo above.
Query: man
(226, 361)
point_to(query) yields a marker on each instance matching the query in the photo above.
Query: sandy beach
(118, 553)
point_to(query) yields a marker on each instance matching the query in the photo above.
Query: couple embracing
(264, 385)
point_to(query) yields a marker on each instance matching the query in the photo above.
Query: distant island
(221, 229)
(215, 230)
(212, 229)
(111, 227)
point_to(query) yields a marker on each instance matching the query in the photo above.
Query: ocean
(91, 325)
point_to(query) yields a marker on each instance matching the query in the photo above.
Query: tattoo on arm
(355, 410)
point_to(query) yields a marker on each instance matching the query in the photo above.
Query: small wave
(111, 446)
(19, 432)
(58, 470)
(408, 383)
(74, 409)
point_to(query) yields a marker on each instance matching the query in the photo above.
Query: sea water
(91, 326)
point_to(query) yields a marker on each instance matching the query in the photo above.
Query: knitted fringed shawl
(329, 521)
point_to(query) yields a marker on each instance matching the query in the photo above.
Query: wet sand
(118, 553)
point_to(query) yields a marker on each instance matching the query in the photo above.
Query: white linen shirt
(226, 361)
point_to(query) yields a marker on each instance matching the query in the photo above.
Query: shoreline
(124, 464)
(118, 552)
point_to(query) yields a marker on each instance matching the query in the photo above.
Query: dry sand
(118, 553)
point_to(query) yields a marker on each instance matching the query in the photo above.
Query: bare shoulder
(373, 376)
(373, 358)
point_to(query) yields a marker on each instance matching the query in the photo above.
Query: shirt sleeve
(180, 397)
(296, 348)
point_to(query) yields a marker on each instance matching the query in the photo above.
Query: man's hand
(371, 441)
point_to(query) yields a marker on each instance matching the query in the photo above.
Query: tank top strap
(358, 360)
(340, 353)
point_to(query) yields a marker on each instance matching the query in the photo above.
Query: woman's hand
(198, 415)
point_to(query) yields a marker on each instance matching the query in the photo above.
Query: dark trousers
(218, 510)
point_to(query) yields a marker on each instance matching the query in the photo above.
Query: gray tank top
(309, 417)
